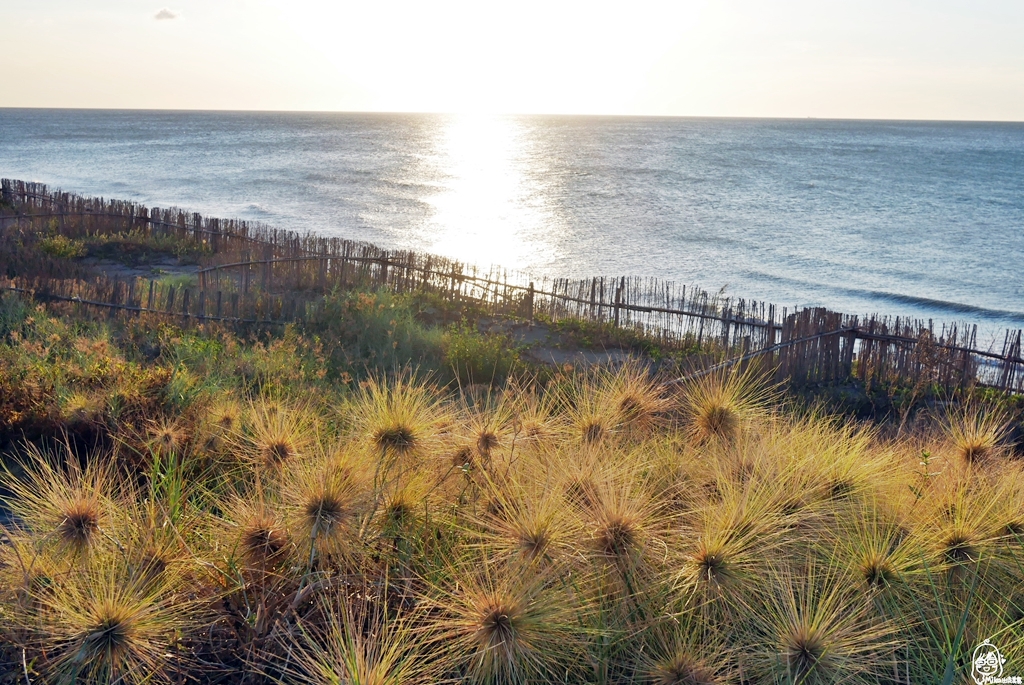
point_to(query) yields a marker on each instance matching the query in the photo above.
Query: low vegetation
(27, 251)
(208, 505)
(390, 491)
(128, 247)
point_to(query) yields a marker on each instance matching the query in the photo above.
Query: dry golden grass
(63, 504)
(113, 623)
(275, 434)
(817, 629)
(976, 433)
(255, 534)
(505, 626)
(719, 405)
(324, 498)
(398, 420)
(355, 643)
(599, 531)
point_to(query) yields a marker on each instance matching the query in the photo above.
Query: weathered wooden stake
(618, 300)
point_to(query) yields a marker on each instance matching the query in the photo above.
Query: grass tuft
(718, 404)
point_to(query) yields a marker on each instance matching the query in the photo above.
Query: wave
(946, 305)
(951, 306)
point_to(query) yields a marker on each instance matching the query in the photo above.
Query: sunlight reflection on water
(490, 206)
(908, 218)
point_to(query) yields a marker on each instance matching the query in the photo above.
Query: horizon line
(226, 110)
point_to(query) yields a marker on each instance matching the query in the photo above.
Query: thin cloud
(165, 13)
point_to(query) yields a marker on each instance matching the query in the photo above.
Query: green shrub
(477, 358)
(134, 247)
(180, 280)
(363, 331)
(62, 247)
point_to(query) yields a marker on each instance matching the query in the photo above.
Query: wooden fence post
(215, 236)
(267, 268)
(726, 325)
(618, 300)
(245, 272)
(864, 358)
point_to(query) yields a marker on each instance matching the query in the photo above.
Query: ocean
(921, 219)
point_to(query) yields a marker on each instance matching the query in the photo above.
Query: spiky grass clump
(727, 545)
(877, 549)
(639, 400)
(484, 428)
(107, 625)
(624, 523)
(534, 418)
(63, 504)
(166, 437)
(681, 653)
(813, 628)
(508, 626)
(402, 508)
(718, 405)
(365, 645)
(960, 519)
(225, 416)
(526, 520)
(277, 434)
(256, 534)
(828, 463)
(591, 420)
(397, 419)
(222, 421)
(325, 500)
(264, 541)
(976, 433)
(681, 668)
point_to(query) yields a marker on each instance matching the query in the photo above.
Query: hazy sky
(927, 59)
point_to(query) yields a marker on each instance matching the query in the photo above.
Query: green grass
(593, 335)
(179, 280)
(136, 247)
(477, 358)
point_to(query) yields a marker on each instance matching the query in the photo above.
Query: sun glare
(490, 208)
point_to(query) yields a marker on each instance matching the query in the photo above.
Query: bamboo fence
(256, 274)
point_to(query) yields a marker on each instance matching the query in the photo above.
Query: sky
(891, 59)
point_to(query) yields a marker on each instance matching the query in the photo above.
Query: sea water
(921, 219)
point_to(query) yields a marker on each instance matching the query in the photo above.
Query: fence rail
(258, 274)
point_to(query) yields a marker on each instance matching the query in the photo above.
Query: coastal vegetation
(191, 502)
(398, 487)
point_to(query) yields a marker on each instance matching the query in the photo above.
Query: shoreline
(845, 219)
